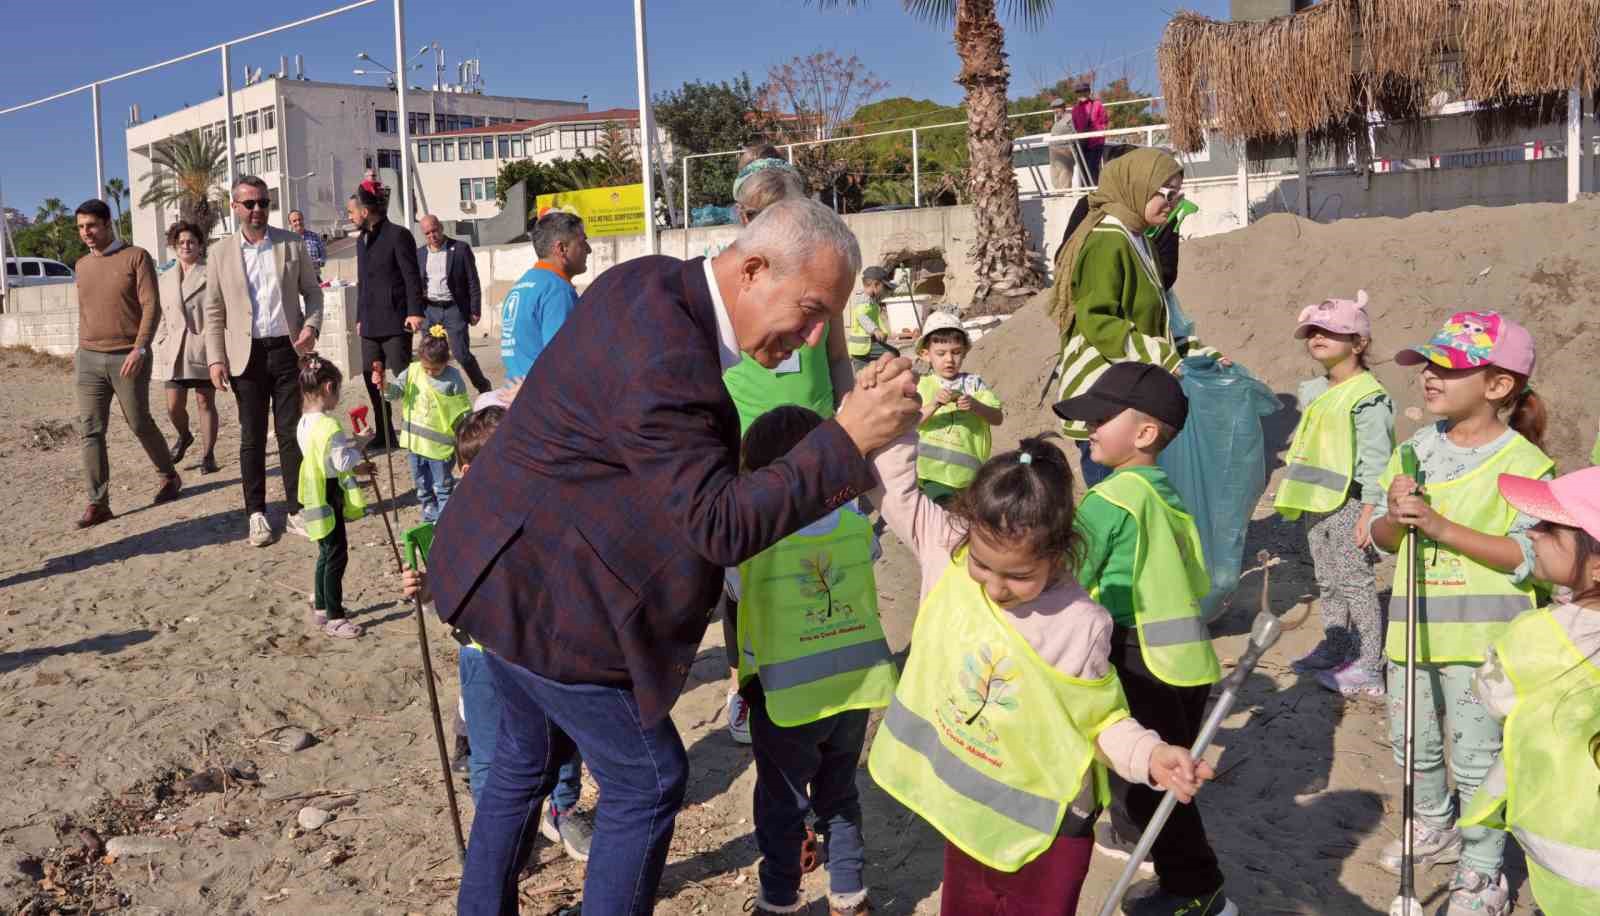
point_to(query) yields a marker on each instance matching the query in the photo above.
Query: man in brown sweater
(118, 311)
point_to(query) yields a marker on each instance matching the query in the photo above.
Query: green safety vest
(313, 487)
(857, 338)
(755, 389)
(1463, 605)
(1169, 578)
(1550, 799)
(1322, 457)
(952, 444)
(808, 625)
(983, 739)
(428, 418)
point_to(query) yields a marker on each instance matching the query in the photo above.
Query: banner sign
(605, 211)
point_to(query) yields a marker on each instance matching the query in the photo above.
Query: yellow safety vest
(858, 340)
(1551, 797)
(1169, 578)
(1322, 457)
(953, 444)
(983, 739)
(428, 418)
(313, 487)
(808, 625)
(1464, 605)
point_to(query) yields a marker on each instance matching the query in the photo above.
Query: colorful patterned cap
(1472, 339)
(1571, 499)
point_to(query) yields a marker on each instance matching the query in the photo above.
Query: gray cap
(1058, 102)
(881, 274)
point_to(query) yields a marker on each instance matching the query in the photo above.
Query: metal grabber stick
(427, 665)
(1406, 904)
(1264, 632)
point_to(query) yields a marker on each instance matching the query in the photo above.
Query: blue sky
(573, 50)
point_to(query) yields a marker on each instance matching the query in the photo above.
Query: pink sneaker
(1352, 681)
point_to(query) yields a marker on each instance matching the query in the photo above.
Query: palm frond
(1030, 13)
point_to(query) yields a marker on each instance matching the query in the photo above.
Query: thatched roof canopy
(1321, 70)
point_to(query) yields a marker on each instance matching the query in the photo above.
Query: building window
(544, 142)
(488, 188)
(449, 151)
(269, 159)
(422, 152)
(238, 125)
(488, 147)
(369, 160)
(467, 148)
(388, 121)
(582, 138)
(269, 118)
(254, 166)
(238, 165)
(519, 149)
(389, 159)
(477, 189)
(252, 122)
(505, 147)
(466, 189)
(453, 123)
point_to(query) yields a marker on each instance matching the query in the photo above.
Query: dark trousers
(1047, 886)
(642, 772)
(807, 768)
(270, 382)
(1091, 158)
(455, 329)
(333, 555)
(395, 355)
(1182, 855)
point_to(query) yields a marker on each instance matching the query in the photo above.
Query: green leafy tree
(188, 175)
(1002, 256)
(52, 234)
(709, 118)
(941, 154)
(617, 153)
(117, 192)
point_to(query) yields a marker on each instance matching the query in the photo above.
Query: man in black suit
(389, 301)
(455, 299)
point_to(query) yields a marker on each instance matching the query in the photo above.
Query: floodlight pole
(1575, 147)
(402, 69)
(227, 126)
(99, 146)
(646, 131)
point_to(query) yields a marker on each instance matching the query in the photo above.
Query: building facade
(312, 141)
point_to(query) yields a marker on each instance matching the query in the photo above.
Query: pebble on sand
(313, 818)
(130, 847)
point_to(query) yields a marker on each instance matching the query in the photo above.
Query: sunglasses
(264, 204)
(1170, 194)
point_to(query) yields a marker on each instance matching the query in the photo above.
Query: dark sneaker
(463, 756)
(94, 515)
(170, 485)
(1108, 842)
(1164, 904)
(569, 829)
(1323, 658)
(208, 465)
(180, 447)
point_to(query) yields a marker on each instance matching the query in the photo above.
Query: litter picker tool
(391, 436)
(1264, 633)
(1406, 904)
(427, 666)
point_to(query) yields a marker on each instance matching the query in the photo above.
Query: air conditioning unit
(468, 206)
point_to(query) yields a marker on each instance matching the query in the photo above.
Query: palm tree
(189, 173)
(117, 190)
(1000, 251)
(51, 210)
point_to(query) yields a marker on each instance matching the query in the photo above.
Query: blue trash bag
(712, 215)
(1218, 465)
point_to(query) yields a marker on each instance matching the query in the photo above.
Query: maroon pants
(1047, 886)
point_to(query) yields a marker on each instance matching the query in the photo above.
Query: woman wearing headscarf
(1109, 298)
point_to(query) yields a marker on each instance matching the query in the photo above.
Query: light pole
(399, 77)
(288, 185)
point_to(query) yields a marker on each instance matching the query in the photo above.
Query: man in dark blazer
(455, 299)
(587, 544)
(389, 301)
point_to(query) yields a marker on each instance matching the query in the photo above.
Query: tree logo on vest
(819, 578)
(988, 682)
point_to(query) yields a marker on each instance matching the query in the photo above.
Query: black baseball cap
(1146, 388)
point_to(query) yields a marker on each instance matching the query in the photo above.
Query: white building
(458, 169)
(311, 142)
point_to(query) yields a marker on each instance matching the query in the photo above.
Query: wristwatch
(142, 351)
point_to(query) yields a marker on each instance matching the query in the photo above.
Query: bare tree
(822, 90)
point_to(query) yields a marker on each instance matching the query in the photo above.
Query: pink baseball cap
(1340, 316)
(1571, 499)
(1472, 339)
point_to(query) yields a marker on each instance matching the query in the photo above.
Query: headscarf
(1126, 185)
(759, 165)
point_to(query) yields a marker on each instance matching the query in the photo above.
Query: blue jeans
(482, 704)
(807, 768)
(642, 771)
(435, 480)
(455, 329)
(1093, 471)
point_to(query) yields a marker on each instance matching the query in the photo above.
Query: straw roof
(1321, 70)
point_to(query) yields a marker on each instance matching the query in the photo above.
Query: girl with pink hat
(1477, 559)
(1541, 679)
(1344, 439)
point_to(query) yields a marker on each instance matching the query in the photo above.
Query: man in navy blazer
(455, 298)
(587, 544)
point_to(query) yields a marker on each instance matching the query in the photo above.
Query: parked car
(36, 272)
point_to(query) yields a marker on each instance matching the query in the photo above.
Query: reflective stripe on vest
(983, 740)
(427, 417)
(1322, 456)
(1463, 606)
(312, 488)
(1169, 577)
(808, 625)
(857, 339)
(1545, 788)
(952, 444)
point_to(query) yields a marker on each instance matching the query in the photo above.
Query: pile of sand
(1535, 262)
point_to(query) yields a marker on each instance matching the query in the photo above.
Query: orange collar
(553, 268)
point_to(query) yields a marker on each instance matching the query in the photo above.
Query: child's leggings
(1047, 886)
(1445, 698)
(1351, 623)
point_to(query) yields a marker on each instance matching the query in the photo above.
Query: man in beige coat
(263, 310)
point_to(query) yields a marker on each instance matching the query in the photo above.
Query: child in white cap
(958, 409)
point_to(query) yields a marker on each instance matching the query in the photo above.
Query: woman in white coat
(180, 347)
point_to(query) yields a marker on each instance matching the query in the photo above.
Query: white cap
(941, 321)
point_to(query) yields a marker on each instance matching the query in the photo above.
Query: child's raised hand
(1172, 768)
(944, 396)
(964, 402)
(414, 583)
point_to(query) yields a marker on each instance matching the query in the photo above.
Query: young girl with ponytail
(329, 491)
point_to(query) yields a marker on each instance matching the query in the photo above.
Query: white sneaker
(1430, 845)
(1473, 893)
(260, 530)
(738, 718)
(293, 523)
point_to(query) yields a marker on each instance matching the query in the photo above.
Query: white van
(36, 272)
